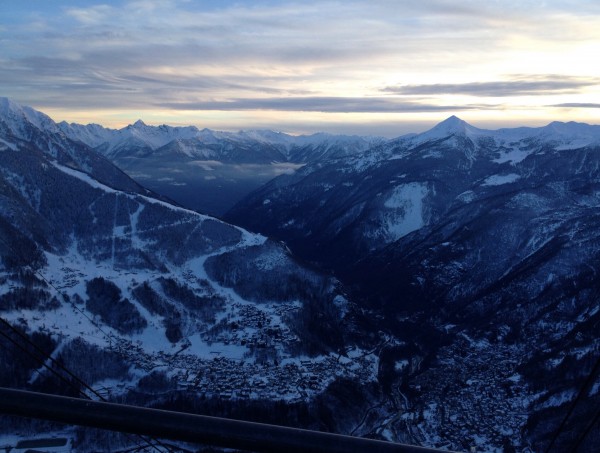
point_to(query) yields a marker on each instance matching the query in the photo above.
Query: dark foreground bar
(187, 427)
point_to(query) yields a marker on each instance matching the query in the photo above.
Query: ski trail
(114, 230)
(136, 242)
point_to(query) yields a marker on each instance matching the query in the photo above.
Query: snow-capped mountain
(557, 134)
(481, 245)
(138, 135)
(141, 298)
(376, 197)
(470, 256)
(209, 170)
(115, 142)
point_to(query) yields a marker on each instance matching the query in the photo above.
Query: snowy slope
(19, 119)
(480, 250)
(142, 288)
(472, 255)
(206, 170)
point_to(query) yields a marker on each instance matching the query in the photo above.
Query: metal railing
(192, 428)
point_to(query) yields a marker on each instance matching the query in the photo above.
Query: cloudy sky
(365, 67)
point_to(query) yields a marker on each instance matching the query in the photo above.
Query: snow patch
(575, 144)
(9, 144)
(406, 206)
(467, 197)
(559, 399)
(401, 365)
(514, 156)
(595, 388)
(203, 350)
(85, 178)
(498, 180)
(341, 303)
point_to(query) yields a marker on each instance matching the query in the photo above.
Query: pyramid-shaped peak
(453, 119)
(139, 123)
(452, 123)
(450, 126)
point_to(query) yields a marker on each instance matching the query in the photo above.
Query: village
(485, 397)
(266, 369)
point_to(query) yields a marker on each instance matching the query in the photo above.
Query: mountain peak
(452, 124)
(8, 105)
(453, 119)
(139, 123)
(17, 116)
(5, 103)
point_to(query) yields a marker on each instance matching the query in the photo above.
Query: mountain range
(151, 303)
(483, 246)
(208, 170)
(438, 289)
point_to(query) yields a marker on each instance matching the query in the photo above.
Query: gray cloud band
(578, 105)
(321, 104)
(534, 87)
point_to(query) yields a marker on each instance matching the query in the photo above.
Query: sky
(355, 67)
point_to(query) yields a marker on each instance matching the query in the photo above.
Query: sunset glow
(353, 67)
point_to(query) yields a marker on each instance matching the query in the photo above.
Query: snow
(400, 365)
(92, 135)
(85, 178)
(203, 350)
(498, 180)
(595, 389)
(272, 260)
(448, 127)
(341, 304)
(513, 155)
(176, 208)
(190, 140)
(574, 144)
(467, 196)
(17, 117)
(559, 399)
(482, 441)
(152, 339)
(9, 144)
(68, 273)
(9, 442)
(406, 206)
(153, 136)
(570, 135)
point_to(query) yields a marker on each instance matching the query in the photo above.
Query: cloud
(206, 165)
(578, 105)
(526, 86)
(320, 104)
(287, 168)
(314, 56)
(92, 15)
